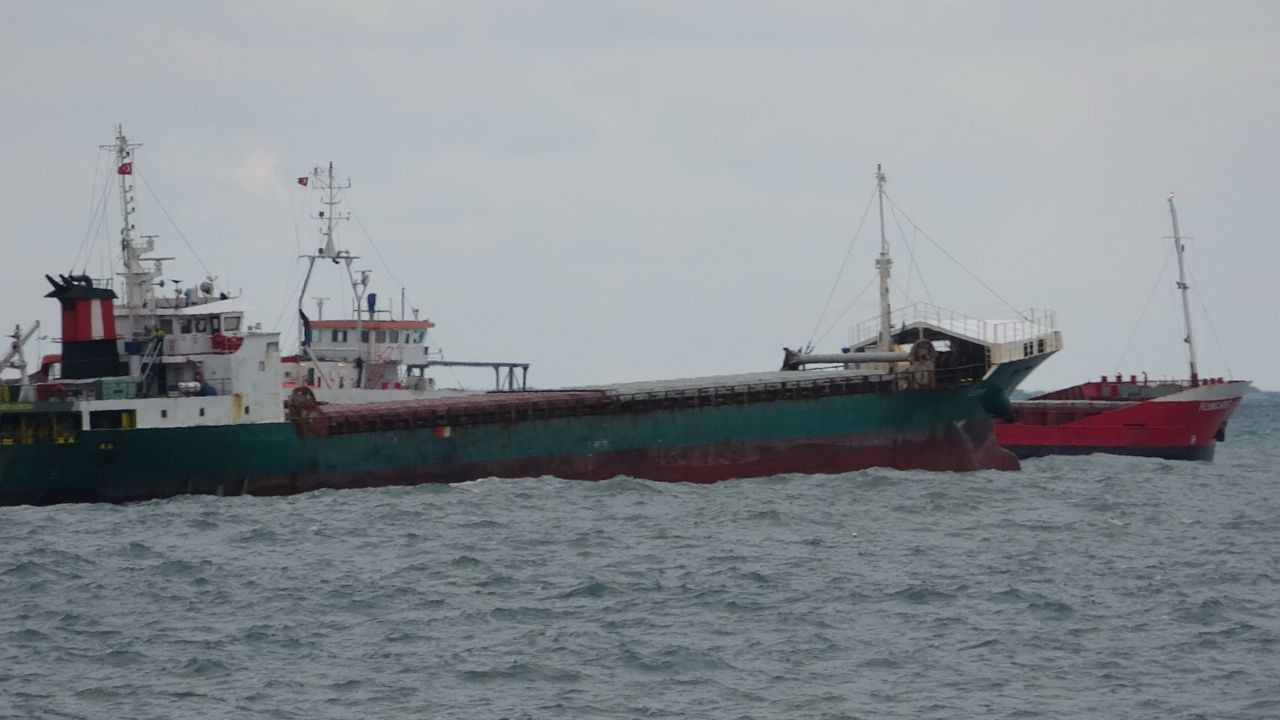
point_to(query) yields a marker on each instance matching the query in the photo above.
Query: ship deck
(506, 406)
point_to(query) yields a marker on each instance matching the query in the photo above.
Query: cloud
(651, 176)
(257, 174)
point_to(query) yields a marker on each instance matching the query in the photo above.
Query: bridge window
(231, 323)
(185, 326)
(380, 336)
(340, 336)
(364, 336)
(394, 336)
(215, 324)
(112, 419)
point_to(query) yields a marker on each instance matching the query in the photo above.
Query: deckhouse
(150, 361)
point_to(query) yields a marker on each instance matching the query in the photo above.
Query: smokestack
(88, 328)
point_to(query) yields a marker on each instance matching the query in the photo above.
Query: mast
(1183, 287)
(138, 279)
(331, 200)
(324, 180)
(883, 264)
(14, 357)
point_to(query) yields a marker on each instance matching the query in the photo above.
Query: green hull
(1009, 375)
(941, 429)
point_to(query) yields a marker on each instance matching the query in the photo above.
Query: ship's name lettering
(1215, 405)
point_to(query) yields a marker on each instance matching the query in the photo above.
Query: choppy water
(1081, 587)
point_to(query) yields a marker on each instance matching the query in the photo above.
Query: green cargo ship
(163, 396)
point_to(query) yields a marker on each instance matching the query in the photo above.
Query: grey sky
(620, 191)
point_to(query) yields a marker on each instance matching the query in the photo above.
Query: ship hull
(1186, 425)
(1163, 452)
(927, 429)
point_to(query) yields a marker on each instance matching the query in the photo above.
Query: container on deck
(119, 388)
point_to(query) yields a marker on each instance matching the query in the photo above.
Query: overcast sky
(619, 191)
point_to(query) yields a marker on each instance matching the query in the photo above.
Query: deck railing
(340, 420)
(1036, 323)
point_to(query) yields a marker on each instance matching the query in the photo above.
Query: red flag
(302, 181)
(125, 169)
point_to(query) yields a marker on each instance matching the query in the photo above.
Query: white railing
(1036, 323)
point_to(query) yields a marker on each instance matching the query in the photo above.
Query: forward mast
(1183, 287)
(369, 349)
(883, 265)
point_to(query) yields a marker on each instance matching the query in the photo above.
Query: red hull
(967, 447)
(1184, 424)
(687, 465)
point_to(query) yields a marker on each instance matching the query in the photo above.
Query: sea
(1081, 587)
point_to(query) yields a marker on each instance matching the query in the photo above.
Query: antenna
(319, 307)
(332, 189)
(138, 279)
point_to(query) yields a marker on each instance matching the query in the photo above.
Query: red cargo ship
(1172, 419)
(1176, 420)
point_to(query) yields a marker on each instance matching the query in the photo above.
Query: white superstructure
(185, 358)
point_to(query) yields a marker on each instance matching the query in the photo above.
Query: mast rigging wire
(839, 274)
(107, 260)
(97, 220)
(169, 217)
(894, 204)
(911, 252)
(93, 209)
(93, 189)
(297, 287)
(297, 235)
(372, 244)
(846, 310)
(1209, 321)
(1141, 314)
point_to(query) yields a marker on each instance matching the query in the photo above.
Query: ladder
(149, 360)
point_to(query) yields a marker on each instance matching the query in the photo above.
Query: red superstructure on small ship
(1171, 419)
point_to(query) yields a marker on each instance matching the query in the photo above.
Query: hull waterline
(927, 430)
(1182, 425)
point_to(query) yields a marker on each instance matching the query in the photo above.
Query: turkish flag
(302, 181)
(125, 169)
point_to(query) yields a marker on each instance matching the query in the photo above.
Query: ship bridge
(1010, 349)
(383, 340)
